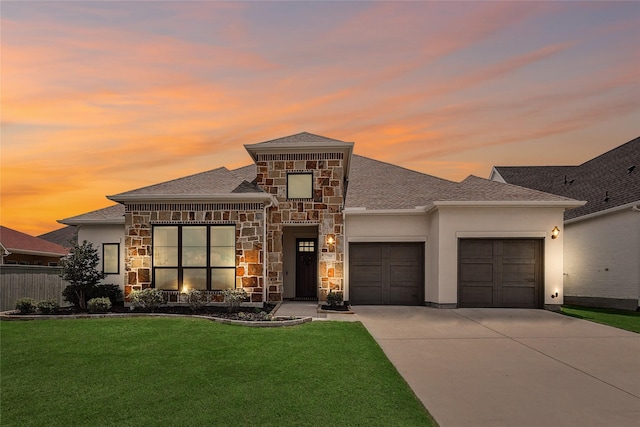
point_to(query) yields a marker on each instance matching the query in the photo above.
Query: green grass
(623, 319)
(191, 372)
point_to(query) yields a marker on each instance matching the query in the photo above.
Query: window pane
(223, 236)
(165, 236)
(300, 186)
(110, 258)
(165, 256)
(194, 257)
(194, 236)
(165, 246)
(223, 257)
(194, 278)
(166, 279)
(223, 278)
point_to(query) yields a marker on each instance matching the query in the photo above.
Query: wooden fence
(37, 282)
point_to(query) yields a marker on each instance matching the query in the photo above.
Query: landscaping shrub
(147, 299)
(334, 299)
(113, 292)
(99, 305)
(79, 268)
(26, 305)
(48, 306)
(233, 298)
(194, 298)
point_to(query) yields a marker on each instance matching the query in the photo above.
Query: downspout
(265, 246)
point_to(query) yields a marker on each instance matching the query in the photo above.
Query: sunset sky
(103, 97)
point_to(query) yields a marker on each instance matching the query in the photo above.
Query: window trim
(309, 173)
(117, 245)
(181, 268)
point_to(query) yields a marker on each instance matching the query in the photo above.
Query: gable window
(194, 257)
(300, 185)
(111, 258)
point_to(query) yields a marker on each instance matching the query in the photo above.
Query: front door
(306, 268)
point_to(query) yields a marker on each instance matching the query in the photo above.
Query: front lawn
(623, 319)
(160, 371)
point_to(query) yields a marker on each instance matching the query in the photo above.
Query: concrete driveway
(511, 367)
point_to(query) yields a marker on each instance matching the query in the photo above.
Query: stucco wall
(602, 256)
(99, 234)
(384, 228)
(497, 222)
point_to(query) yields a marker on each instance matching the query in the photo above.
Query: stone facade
(247, 217)
(323, 209)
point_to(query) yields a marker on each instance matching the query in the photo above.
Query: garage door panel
(386, 273)
(477, 272)
(507, 274)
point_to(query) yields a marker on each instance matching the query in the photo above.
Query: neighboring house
(310, 217)
(602, 238)
(63, 236)
(22, 249)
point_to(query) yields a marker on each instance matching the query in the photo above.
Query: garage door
(500, 273)
(386, 273)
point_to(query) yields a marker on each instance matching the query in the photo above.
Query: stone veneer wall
(248, 218)
(325, 209)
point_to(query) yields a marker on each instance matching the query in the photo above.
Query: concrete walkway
(511, 367)
(310, 309)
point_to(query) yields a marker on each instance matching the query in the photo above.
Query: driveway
(511, 367)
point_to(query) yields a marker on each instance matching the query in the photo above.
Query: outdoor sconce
(331, 241)
(555, 232)
(554, 295)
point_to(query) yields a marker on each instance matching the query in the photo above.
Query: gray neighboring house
(602, 241)
(309, 216)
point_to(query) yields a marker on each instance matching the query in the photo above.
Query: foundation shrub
(334, 299)
(26, 305)
(99, 305)
(233, 298)
(48, 306)
(146, 299)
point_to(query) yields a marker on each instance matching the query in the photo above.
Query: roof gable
(16, 241)
(606, 181)
(300, 138)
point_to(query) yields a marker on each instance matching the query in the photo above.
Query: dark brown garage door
(500, 273)
(386, 273)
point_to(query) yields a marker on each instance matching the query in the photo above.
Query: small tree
(79, 269)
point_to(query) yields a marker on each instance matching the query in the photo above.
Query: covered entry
(386, 273)
(500, 273)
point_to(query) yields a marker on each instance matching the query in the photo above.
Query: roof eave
(626, 206)
(40, 253)
(364, 211)
(105, 221)
(567, 204)
(228, 197)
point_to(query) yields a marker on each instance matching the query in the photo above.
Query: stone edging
(283, 321)
(320, 310)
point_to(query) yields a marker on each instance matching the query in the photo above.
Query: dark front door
(306, 268)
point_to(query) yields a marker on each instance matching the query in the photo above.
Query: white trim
(501, 234)
(495, 176)
(231, 197)
(110, 221)
(41, 253)
(385, 239)
(364, 211)
(631, 206)
(516, 204)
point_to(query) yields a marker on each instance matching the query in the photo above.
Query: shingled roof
(17, 242)
(62, 236)
(301, 138)
(607, 181)
(110, 215)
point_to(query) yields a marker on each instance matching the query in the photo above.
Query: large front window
(194, 257)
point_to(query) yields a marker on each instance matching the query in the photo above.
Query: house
(22, 249)
(602, 238)
(309, 217)
(63, 236)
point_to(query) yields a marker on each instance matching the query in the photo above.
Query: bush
(113, 292)
(99, 305)
(194, 298)
(147, 299)
(334, 299)
(79, 268)
(48, 306)
(26, 305)
(233, 298)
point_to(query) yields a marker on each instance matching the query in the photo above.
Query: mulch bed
(343, 307)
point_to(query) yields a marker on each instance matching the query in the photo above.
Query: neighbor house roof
(17, 242)
(62, 236)
(607, 181)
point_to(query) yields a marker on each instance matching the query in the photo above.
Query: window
(194, 257)
(300, 185)
(111, 258)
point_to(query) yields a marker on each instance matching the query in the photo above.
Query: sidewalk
(310, 309)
